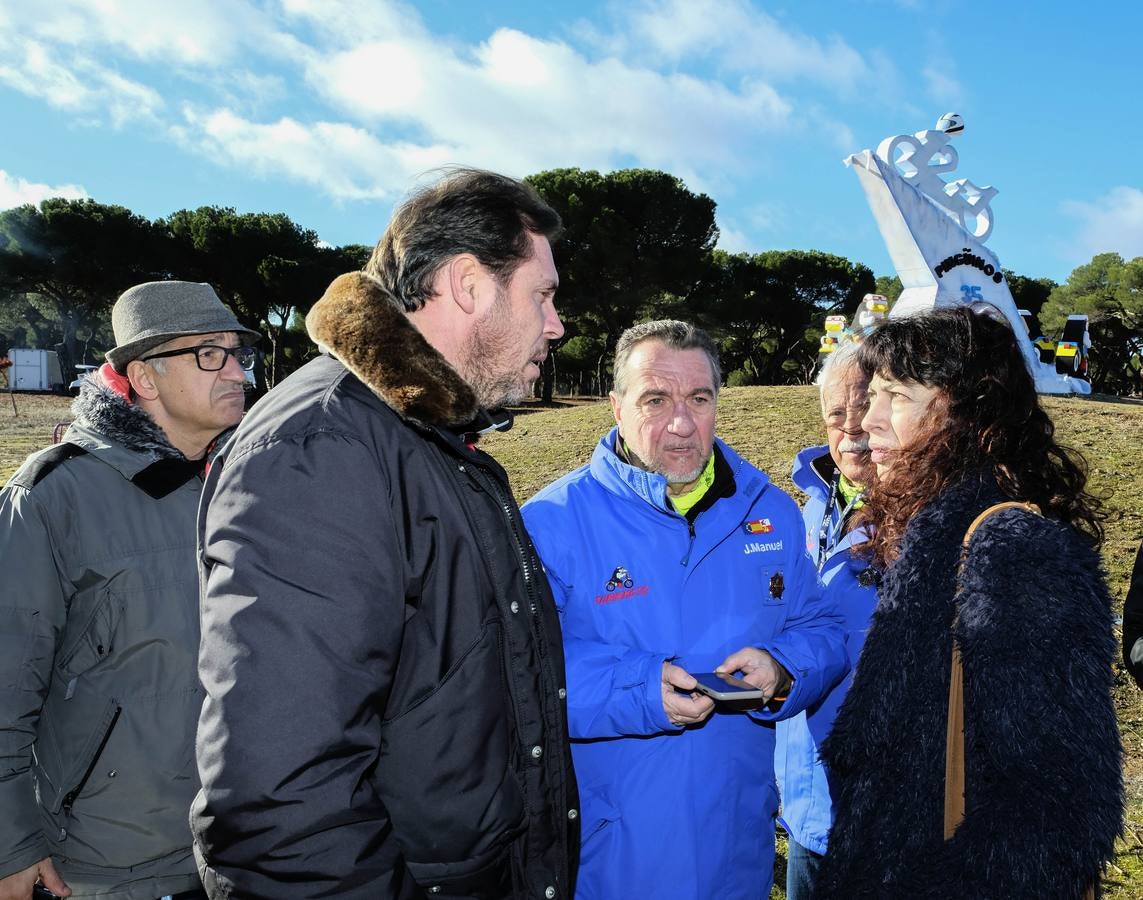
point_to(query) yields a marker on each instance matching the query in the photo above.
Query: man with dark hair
(99, 691)
(670, 555)
(381, 655)
(490, 216)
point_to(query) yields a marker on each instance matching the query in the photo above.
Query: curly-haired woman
(955, 427)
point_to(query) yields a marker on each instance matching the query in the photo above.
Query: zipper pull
(691, 543)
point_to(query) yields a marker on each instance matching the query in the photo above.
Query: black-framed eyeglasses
(211, 358)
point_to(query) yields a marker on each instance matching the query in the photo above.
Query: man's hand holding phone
(761, 670)
(683, 709)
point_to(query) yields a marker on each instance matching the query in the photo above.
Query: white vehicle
(35, 370)
(1072, 348)
(81, 372)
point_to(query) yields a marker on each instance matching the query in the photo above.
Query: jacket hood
(104, 413)
(361, 324)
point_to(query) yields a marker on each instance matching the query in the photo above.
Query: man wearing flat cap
(99, 694)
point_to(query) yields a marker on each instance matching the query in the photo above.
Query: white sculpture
(935, 232)
(923, 157)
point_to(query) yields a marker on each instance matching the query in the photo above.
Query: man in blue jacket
(832, 477)
(668, 555)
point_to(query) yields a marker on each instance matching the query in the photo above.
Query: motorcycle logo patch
(619, 577)
(621, 586)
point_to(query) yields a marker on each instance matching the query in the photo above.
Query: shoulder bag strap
(954, 735)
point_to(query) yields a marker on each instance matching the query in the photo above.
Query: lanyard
(831, 531)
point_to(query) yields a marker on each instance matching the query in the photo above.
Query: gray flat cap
(151, 314)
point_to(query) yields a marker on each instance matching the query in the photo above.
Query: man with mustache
(832, 478)
(384, 713)
(99, 691)
(670, 555)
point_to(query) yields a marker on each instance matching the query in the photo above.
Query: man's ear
(464, 273)
(141, 378)
(616, 405)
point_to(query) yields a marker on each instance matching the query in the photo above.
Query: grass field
(768, 425)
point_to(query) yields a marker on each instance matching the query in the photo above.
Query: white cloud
(16, 191)
(942, 86)
(83, 87)
(739, 37)
(38, 75)
(347, 162)
(732, 240)
(383, 98)
(378, 78)
(1111, 223)
(514, 101)
(104, 59)
(206, 32)
(741, 234)
(521, 104)
(352, 22)
(766, 216)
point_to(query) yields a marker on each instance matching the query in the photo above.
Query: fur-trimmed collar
(101, 409)
(362, 325)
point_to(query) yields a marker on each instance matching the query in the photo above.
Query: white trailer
(35, 370)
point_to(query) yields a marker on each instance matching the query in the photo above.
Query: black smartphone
(726, 687)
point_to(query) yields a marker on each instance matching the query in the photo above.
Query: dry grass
(769, 425)
(30, 428)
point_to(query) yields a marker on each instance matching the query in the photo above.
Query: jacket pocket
(601, 845)
(92, 642)
(598, 816)
(485, 877)
(66, 759)
(444, 770)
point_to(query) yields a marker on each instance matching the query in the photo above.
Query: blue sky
(330, 110)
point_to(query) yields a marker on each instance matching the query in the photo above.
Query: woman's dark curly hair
(986, 417)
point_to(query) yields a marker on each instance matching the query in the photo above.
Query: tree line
(638, 244)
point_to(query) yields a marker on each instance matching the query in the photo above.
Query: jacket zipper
(70, 797)
(475, 473)
(521, 545)
(492, 486)
(690, 543)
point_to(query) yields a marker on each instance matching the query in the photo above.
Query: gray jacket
(99, 694)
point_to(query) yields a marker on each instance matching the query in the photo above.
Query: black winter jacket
(381, 653)
(1043, 791)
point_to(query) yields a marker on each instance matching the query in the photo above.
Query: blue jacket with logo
(666, 811)
(807, 810)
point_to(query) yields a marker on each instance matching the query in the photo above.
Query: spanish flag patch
(758, 526)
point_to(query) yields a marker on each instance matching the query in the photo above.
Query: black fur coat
(1043, 792)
